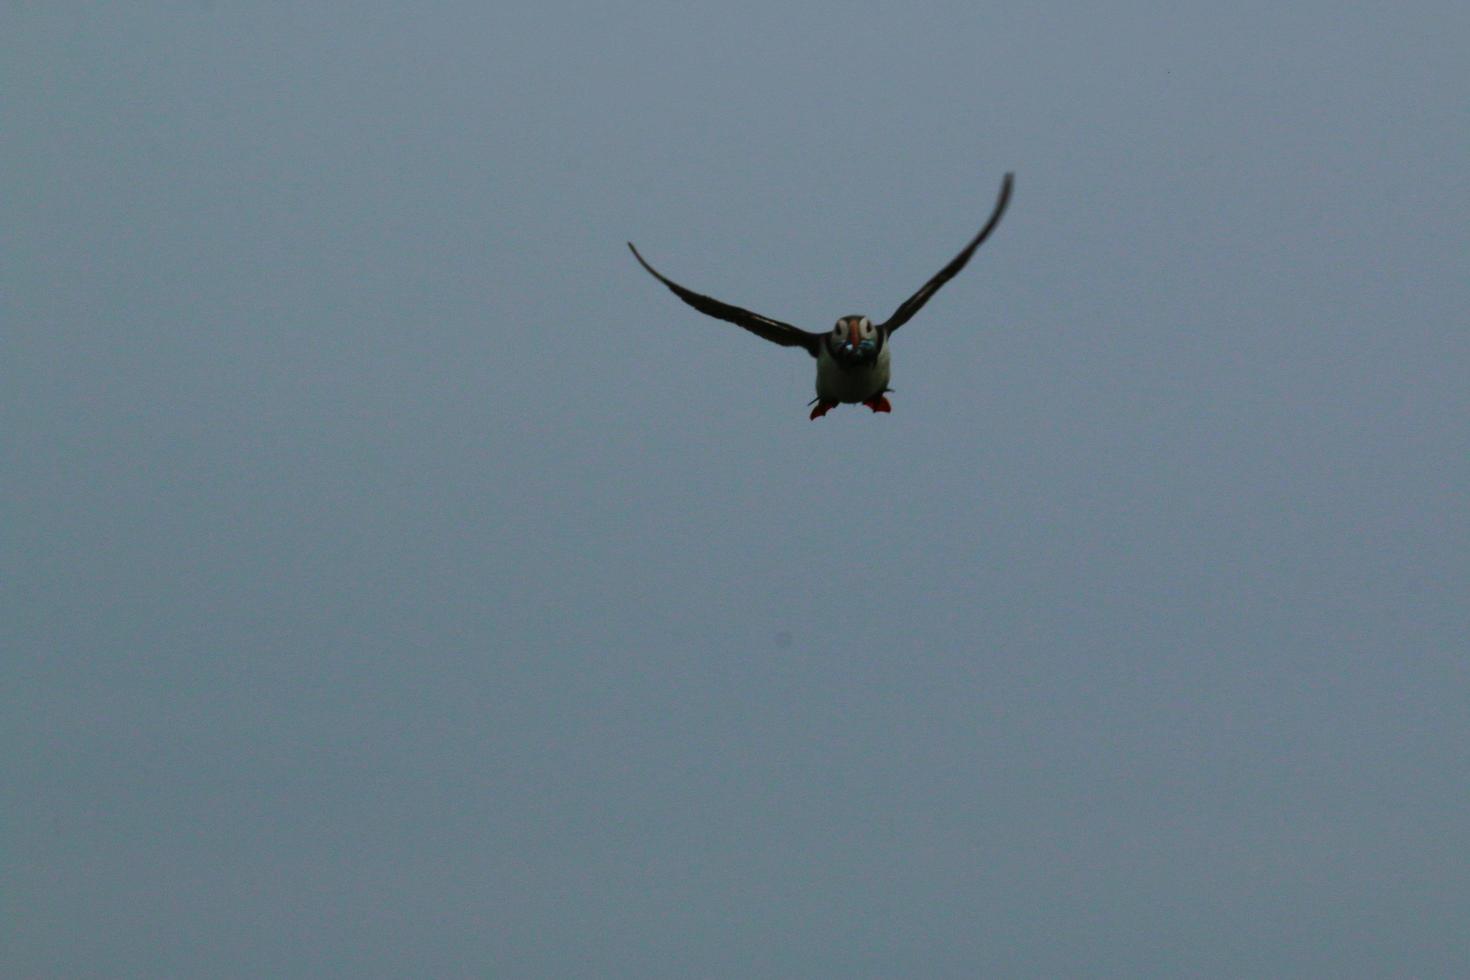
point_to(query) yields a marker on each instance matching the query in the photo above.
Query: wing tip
(644, 262)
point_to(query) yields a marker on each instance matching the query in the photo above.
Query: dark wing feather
(915, 302)
(762, 326)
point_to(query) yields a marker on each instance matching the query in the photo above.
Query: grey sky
(398, 581)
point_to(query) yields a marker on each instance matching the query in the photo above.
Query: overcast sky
(400, 582)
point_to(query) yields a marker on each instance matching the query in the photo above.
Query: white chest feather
(838, 382)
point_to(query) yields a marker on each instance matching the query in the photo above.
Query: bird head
(854, 340)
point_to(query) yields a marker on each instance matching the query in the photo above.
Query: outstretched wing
(762, 326)
(913, 304)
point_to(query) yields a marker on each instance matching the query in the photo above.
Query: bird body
(853, 358)
(851, 384)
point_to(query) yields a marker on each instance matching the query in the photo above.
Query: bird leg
(879, 403)
(823, 407)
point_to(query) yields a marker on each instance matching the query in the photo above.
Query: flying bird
(852, 357)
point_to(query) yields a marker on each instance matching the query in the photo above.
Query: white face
(855, 340)
(854, 330)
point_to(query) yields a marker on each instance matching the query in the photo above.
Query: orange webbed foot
(879, 403)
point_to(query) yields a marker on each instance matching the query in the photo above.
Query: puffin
(853, 357)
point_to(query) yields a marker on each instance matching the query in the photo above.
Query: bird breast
(838, 382)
